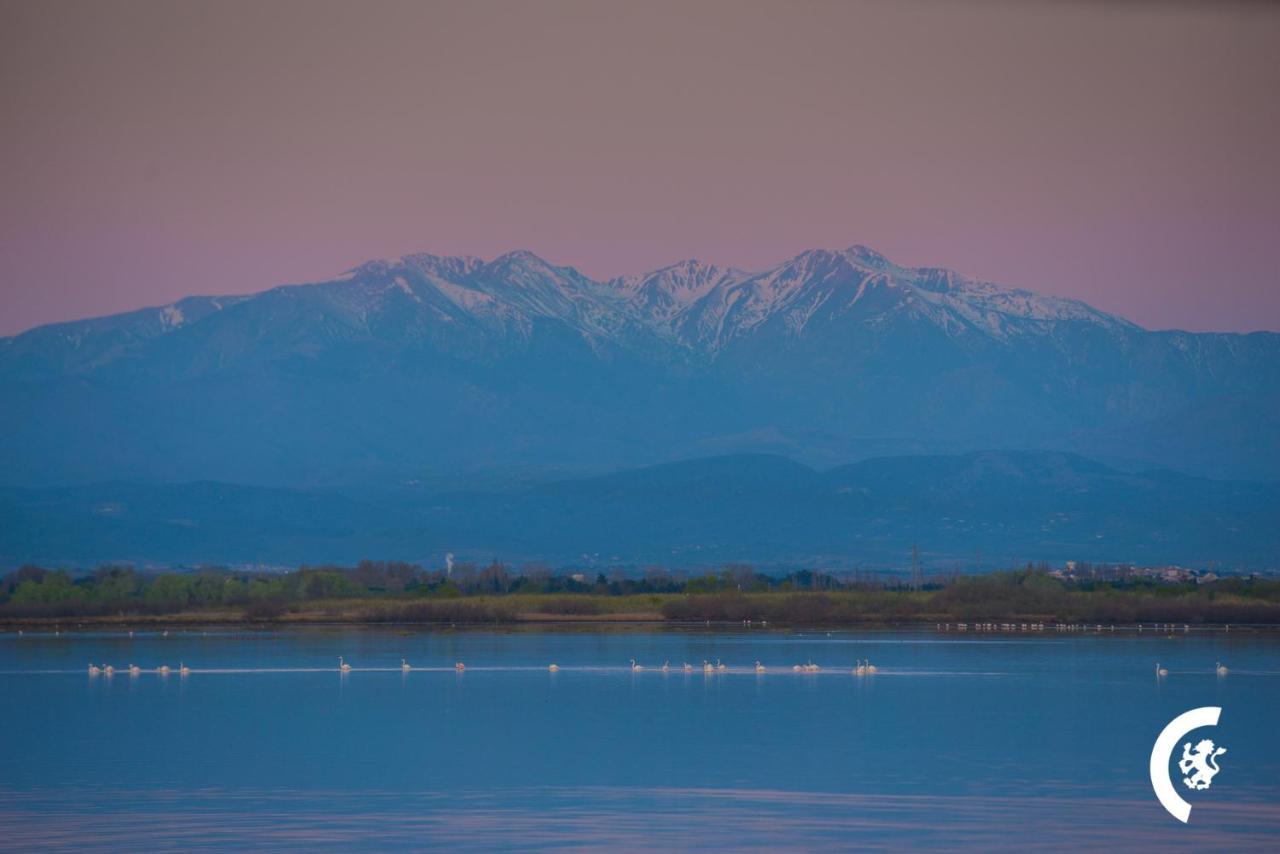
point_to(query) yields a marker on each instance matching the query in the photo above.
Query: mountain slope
(430, 363)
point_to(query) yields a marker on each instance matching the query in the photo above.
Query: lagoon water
(1020, 740)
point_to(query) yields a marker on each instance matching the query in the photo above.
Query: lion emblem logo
(1204, 760)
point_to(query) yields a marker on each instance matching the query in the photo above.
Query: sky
(1120, 153)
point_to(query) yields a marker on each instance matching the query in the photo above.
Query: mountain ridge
(522, 267)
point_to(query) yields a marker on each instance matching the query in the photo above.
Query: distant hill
(983, 508)
(423, 364)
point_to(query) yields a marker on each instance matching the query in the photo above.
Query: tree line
(112, 587)
(733, 592)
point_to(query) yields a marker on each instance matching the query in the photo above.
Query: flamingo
(720, 666)
(459, 666)
(404, 666)
(183, 669)
(134, 670)
(1220, 669)
(797, 668)
(343, 666)
(861, 669)
(707, 667)
(688, 668)
(666, 666)
(871, 668)
(94, 669)
(555, 668)
(108, 669)
(1160, 671)
(163, 669)
(636, 668)
(759, 667)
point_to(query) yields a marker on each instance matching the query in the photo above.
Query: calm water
(1031, 740)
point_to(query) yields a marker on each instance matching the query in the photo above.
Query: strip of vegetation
(375, 592)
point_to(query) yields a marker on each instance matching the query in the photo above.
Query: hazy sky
(1124, 154)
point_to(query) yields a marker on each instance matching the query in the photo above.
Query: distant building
(1120, 572)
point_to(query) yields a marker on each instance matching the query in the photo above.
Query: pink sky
(1124, 154)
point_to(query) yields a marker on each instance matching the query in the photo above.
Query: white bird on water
(720, 666)
(706, 667)
(1160, 671)
(871, 668)
(666, 666)
(636, 668)
(555, 668)
(343, 666)
(404, 666)
(163, 670)
(108, 669)
(860, 669)
(759, 667)
(1220, 669)
(459, 666)
(183, 669)
(688, 668)
(134, 670)
(94, 669)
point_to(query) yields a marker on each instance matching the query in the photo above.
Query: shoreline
(619, 621)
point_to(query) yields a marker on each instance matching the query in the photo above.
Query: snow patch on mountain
(403, 286)
(171, 317)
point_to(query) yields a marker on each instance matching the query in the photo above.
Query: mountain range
(981, 509)
(426, 366)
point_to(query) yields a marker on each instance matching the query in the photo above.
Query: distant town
(1079, 571)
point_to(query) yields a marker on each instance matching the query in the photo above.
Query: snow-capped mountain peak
(867, 257)
(665, 293)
